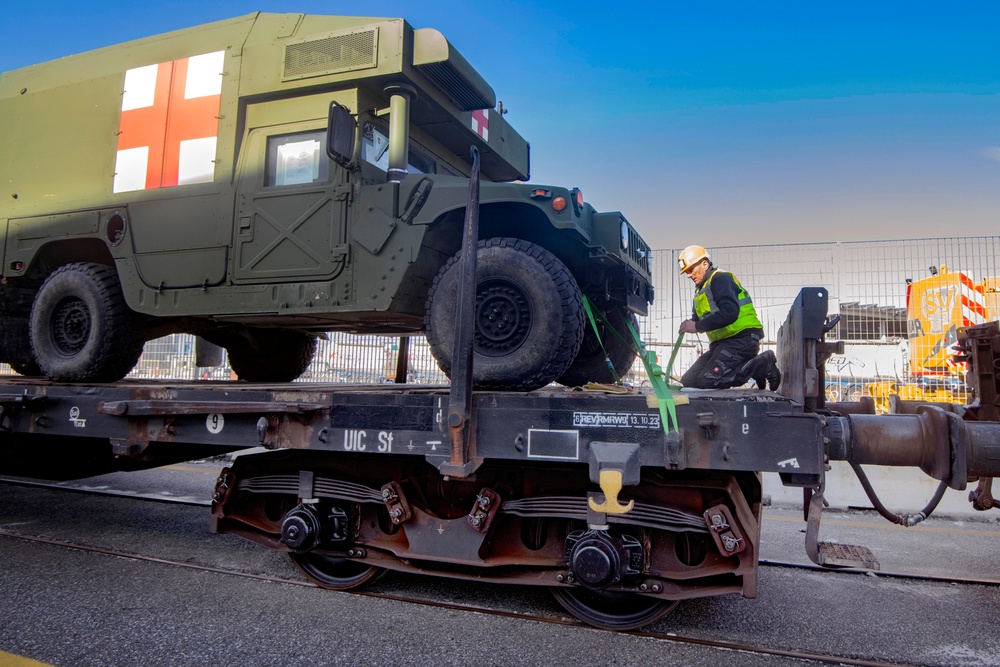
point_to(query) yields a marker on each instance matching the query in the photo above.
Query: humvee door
(291, 207)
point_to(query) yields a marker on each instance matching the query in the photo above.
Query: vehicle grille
(638, 251)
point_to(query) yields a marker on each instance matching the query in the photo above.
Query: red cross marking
(170, 120)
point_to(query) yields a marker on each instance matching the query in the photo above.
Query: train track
(194, 502)
(798, 654)
(98, 491)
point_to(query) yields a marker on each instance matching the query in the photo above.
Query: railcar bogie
(345, 519)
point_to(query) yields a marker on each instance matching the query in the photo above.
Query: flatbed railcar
(620, 513)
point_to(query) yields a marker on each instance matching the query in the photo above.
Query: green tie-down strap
(664, 400)
(593, 324)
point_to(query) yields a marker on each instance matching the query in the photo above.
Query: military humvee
(261, 180)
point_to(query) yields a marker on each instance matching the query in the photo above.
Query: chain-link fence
(340, 357)
(868, 283)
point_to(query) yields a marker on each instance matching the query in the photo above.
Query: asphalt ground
(68, 607)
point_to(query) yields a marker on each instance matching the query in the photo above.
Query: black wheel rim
(70, 325)
(337, 573)
(612, 610)
(503, 317)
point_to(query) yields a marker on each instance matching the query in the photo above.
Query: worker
(724, 312)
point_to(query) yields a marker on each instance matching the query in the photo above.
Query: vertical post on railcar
(402, 360)
(460, 398)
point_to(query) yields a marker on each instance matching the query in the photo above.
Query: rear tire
(81, 329)
(15, 345)
(528, 316)
(270, 355)
(590, 364)
(28, 369)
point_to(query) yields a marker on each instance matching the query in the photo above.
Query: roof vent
(335, 53)
(441, 63)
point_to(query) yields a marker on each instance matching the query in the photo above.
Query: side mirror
(341, 133)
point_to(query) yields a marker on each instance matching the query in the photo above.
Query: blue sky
(714, 123)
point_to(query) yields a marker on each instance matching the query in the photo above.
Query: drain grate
(832, 554)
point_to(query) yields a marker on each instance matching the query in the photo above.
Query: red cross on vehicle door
(169, 123)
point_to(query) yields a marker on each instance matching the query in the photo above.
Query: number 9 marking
(214, 423)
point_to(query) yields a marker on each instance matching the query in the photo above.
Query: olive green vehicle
(261, 180)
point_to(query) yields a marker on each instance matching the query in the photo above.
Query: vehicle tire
(28, 369)
(81, 329)
(590, 364)
(15, 346)
(270, 355)
(528, 316)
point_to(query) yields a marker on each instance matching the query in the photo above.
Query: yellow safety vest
(704, 303)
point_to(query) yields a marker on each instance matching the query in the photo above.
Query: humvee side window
(418, 164)
(375, 150)
(293, 159)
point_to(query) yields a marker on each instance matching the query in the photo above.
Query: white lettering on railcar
(215, 423)
(412, 445)
(616, 420)
(74, 418)
(384, 442)
(789, 463)
(354, 441)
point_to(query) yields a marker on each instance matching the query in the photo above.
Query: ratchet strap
(664, 399)
(597, 335)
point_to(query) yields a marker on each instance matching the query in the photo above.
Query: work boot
(771, 371)
(756, 368)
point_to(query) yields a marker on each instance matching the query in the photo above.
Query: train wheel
(612, 610)
(339, 574)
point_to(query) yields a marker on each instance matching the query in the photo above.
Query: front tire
(528, 316)
(81, 329)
